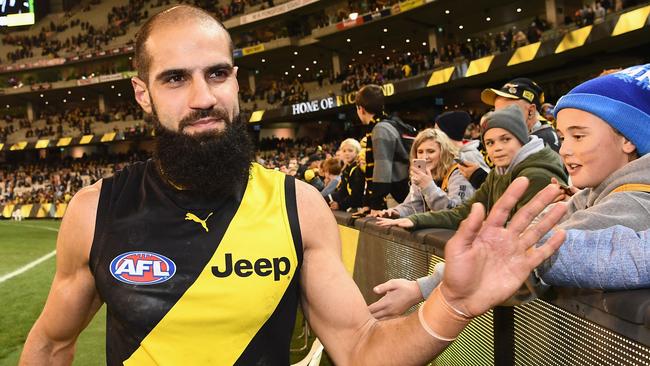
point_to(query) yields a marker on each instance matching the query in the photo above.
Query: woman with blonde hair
(440, 185)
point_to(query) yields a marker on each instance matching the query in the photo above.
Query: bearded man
(202, 256)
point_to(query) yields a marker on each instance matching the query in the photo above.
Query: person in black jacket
(349, 192)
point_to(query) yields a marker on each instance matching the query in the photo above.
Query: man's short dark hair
(142, 59)
(371, 98)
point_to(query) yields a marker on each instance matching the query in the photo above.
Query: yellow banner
(410, 4)
(441, 76)
(42, 144)
(574, 39)
(479, 66)
(7, 211)
(524, 54)
(632, 20)
(256, 116)
(64, 141)
(108, 137)
(60, 209)
(349, 243)
(86, 139)
(253, 49)
(19, 146)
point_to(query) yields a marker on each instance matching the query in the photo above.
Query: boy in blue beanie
(605, 124)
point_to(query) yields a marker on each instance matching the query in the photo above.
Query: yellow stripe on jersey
(233, 308)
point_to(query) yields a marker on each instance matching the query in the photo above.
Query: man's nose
(201, 95)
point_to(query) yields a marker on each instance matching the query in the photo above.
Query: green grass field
(22, 297)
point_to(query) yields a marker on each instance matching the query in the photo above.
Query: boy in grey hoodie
(605, 124)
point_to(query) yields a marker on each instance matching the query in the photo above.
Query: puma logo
(192, 217)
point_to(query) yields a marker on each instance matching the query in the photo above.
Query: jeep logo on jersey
(262, 267)
(142, 268)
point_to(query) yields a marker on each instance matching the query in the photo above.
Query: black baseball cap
(520, 88)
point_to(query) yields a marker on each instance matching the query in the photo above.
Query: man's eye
(174, 79)
(220, 74)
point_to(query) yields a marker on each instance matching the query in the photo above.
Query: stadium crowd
(56, 181)
(53, 123)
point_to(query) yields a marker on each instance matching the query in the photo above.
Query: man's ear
(532, 111)
(141, 94)
(234, 74)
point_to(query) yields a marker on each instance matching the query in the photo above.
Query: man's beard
(210, 164)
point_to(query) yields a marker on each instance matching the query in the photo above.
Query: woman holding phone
(436, 182)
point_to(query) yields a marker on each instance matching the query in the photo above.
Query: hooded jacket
(600, 207)
(434, 198)
(534, 160)
(602, 249)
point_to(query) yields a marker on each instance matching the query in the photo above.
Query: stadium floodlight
(518, 10)
(447, 11)
(488, 19)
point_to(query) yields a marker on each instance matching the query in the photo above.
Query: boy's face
(501, 146)
(591, 150)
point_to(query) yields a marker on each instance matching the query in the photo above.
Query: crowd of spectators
(53, 123)
(95, 37)
(277, 92)
(596, 11)
(56, 181)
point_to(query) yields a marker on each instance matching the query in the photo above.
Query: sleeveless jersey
(191, 281)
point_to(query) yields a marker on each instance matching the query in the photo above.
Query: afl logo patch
(142, 268)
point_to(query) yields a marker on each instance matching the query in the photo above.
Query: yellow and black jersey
(196, 282)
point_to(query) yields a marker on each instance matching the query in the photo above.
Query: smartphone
(460, 161)
(420, 164)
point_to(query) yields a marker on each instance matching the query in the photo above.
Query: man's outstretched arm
(486, 264)
(73, 299)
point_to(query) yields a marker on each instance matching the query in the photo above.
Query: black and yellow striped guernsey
(194, 282)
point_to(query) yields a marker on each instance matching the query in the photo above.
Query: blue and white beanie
(621, 99)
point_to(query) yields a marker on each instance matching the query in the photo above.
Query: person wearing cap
(514, 154)
(605, 125)
(528, 96)
(473, 165)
